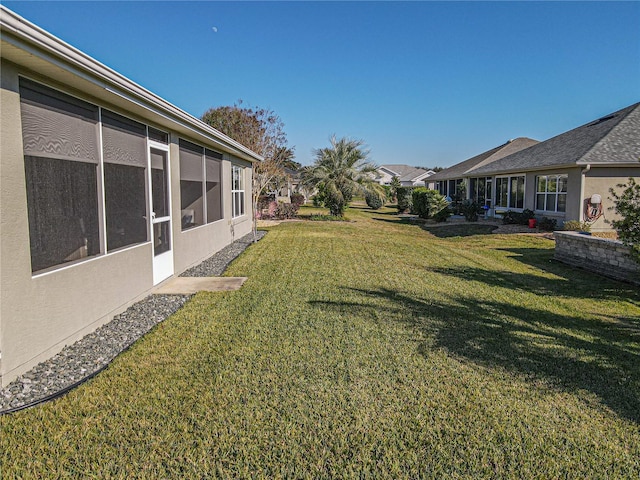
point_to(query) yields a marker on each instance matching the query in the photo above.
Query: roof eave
(23, 34)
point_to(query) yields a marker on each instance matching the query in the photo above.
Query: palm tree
(339, 172)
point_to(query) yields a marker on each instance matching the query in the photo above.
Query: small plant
(627, 205)
(547, 224)
(284, 211)
(470, 210)
(328, 218)
(297, 199)
(442, 215)
(374, 200)
(516, 218)
(576, 226)
(405, 199)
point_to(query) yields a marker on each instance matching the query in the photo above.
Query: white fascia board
(29, 37)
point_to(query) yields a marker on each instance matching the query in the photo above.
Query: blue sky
(422, 83)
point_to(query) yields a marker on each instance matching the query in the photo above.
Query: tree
(627, 205)
(339, 172)
(262, 131)
(395, 185)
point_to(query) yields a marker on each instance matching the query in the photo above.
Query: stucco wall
(40, 314)
(599, 180)
(603, 256)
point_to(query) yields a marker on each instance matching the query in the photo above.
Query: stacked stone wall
(610, 258)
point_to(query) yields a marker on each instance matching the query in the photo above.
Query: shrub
(420, 199)
(627, 205)
(318, 199)
(576, 226)
(405, 200)
(284, 211)
(547, 224)
(470, 210)
(297, 199)
(442, 214)
(374, 200)
(516, 218)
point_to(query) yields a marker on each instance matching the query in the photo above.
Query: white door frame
(163, 262)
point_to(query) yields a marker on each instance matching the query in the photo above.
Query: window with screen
(213, 173)
(61, 156)
(125, 167)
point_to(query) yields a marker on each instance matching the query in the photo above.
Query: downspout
(584, 172)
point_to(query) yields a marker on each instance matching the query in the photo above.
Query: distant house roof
(611, 140)
(406, 173)
(486, 158)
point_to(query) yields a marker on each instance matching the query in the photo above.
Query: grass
(368, 349)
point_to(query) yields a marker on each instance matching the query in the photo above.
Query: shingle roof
(461, 169)
(405, 173)
(612, 139)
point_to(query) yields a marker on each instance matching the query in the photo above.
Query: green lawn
(364, 349)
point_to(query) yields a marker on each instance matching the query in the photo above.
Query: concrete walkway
(190, 285)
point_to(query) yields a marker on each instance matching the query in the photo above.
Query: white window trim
(495, 192)
(240, 191)
(547, 193)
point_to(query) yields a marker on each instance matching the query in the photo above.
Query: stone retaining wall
(600, 255)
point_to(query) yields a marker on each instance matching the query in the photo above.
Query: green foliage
(365, 349)
(470, 210)
(339, 172)
(547, 224)
(627, 205)
(318, 199)
(428, 203)
(374, 200)
(297, 199)
(405, 199)
(516, 218)
(576, 226)
(443, 214)
(286, 211)
(394, 185)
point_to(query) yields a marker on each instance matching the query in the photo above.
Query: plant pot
(532, 223)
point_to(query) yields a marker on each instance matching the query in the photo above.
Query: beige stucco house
(567, 177)
(106, 191)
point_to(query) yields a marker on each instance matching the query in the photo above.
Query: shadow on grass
(459, 230)
(567, 352)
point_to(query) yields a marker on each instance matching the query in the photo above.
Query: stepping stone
(189, 285)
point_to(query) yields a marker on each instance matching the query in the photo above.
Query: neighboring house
(408, 176)
(567, 177)
(107, 191)
(452, 182)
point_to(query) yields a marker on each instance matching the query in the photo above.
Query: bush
(516, 218)
(547, 224)
(470, 210)
(374, 200)
(576, 226)
(284, 211)
(318, 200)
(297, 199)
(627, 205)
(442, 214)
(405, 200)
(420, 199)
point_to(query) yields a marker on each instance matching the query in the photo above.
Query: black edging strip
(68, 388)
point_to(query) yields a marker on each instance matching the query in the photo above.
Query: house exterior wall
(598, 180)
(40, 313)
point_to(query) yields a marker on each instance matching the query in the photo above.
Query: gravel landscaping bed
(88, 356)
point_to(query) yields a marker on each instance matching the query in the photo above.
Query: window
(213, 168)
(60, 138)
(191, 191)
(237, 190)
(480, 190)
(125, 167)
(510, 192)
(551, 193)
(200, 185)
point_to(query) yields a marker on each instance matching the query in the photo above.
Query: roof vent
(603, 119)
